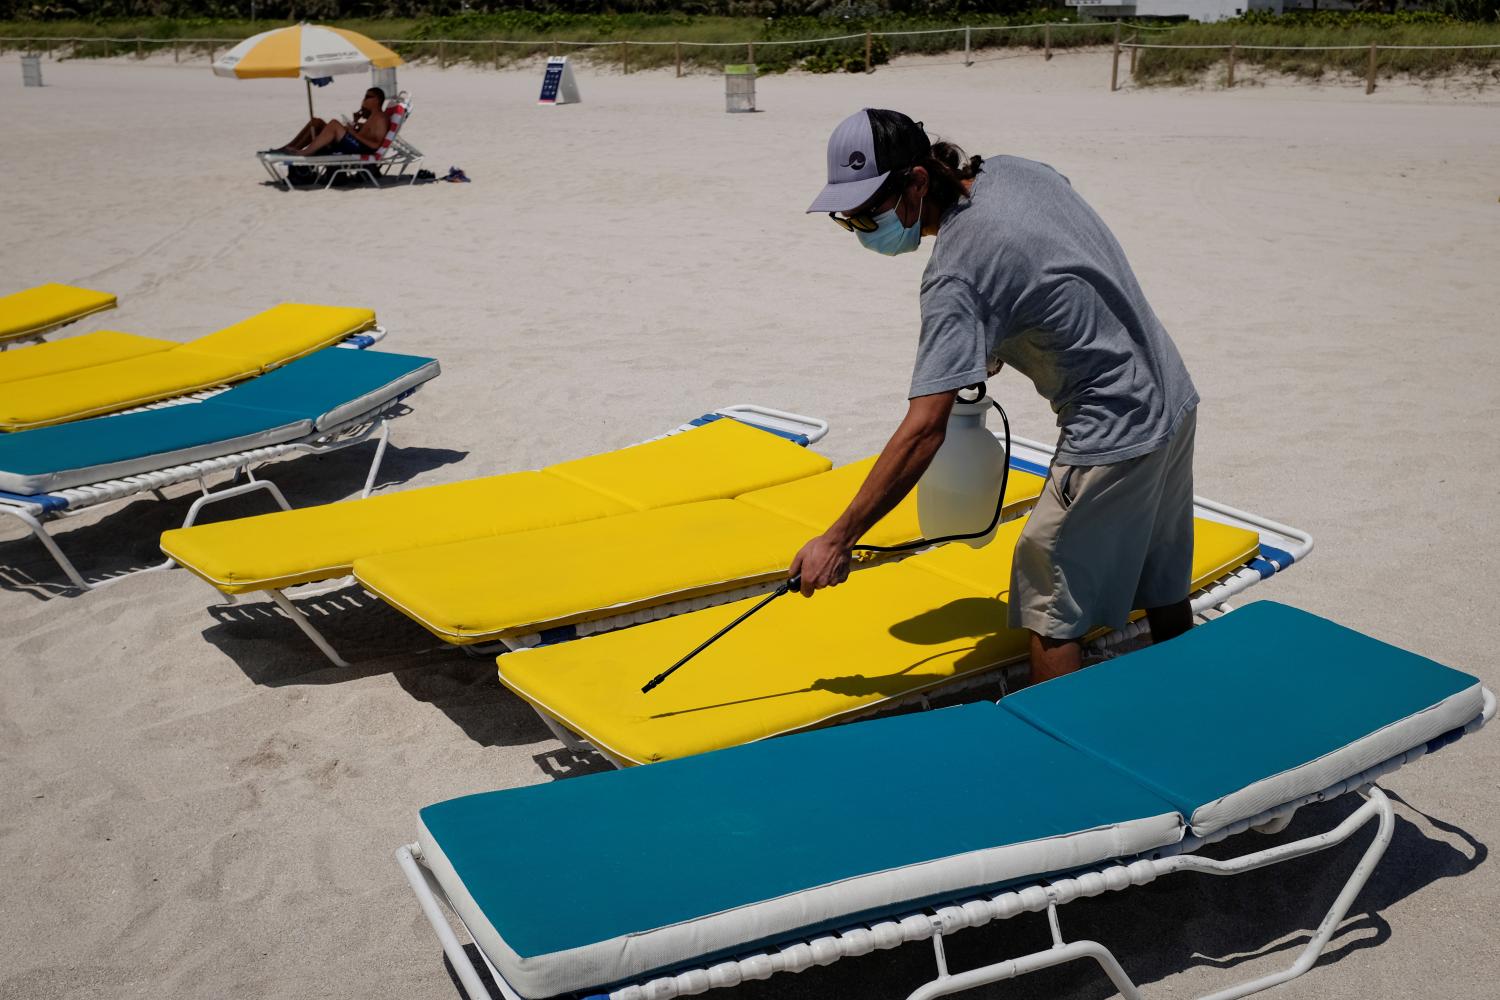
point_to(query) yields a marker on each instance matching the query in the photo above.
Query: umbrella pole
(310, 115)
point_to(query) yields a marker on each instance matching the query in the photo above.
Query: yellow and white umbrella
(308, 50)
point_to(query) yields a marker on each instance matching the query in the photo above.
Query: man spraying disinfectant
(1023, 272)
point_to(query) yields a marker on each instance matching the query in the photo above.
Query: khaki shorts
(1105, 540)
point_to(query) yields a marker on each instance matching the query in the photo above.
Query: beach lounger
(777, 856)
(394, 152)
(142, 376)
(35, 312)
(733, 451)
(562, 582)
(888, 636)
(325, 401)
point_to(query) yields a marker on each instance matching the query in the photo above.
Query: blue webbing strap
(792, 436)
(46, 501)
(1271, 561)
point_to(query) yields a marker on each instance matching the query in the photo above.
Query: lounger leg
(40, 532)
(307, 628)
(282, 182)
(208, 497)
(473, 985)
(1060, 954)
(380, 446)
(1377, 807)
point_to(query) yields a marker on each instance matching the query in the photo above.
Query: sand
(193, 804)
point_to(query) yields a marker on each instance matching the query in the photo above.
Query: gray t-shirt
(1025, 273)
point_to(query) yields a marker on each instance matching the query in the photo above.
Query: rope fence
(1233, 49)
(624, 44)
(1132, 45)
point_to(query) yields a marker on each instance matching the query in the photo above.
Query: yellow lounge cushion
(285, 333)
(83, 351)
(518, 583)
(817, 501)
(890, 631)
(319, 543)
(274, 337)
(720, 460)
(119, 385)
(37, 310)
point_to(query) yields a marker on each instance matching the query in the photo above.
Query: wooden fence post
(678, 47)
(750, 53)
(869, 43)
(176, 54)
(442, 55)
(1370, 76)
(968, 59)
(106, 48)
(495, 55)
(1133, 50)
(1234, 49)
(624, 57)
(1114, 69)
(138, 48)
(1047, 42)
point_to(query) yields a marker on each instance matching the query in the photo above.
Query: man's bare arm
(824, 561)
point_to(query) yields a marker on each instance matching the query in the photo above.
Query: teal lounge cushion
(1252, 710)
(331, 385)
(317, 391)
(599, 879)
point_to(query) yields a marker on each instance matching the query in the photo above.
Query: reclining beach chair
(323, 402)
(107, 371)
(889, 636)
(394, 152)
(724, 454)
(35, 312)
(559, 583)
(769, 858)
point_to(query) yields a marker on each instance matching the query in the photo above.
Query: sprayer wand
(795, 583)
(787, 586)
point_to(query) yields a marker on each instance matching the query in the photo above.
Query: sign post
(558, 85)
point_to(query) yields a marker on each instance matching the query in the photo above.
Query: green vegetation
(1177, 66)
(708, 40)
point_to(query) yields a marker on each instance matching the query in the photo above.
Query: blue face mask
(890, 237)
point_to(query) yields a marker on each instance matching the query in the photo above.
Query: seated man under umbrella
(363, 134)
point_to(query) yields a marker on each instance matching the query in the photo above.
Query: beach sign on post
(558, 85)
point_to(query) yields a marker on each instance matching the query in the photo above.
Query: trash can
(739, 88)
(385, 79)
(31, 71)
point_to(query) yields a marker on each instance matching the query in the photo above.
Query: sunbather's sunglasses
(862, 222)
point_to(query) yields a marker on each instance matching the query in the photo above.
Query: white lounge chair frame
(812, 428)
(1043, 896)
(393, 152)
(36, 514)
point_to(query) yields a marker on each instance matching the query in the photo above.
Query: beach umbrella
(313, 51)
